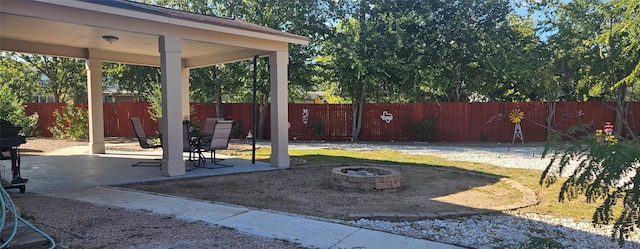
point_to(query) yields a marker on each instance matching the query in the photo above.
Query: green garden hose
(7, 205)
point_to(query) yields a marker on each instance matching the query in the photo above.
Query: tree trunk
(217, 94)
(356, 125)
(621, 89)
(218, 97)
(263, 117)
(357, 102)
(56, 97)
(620, 109)
(567, 79)
(551, 111)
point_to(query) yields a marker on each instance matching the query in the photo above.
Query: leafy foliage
(426, 129)
(64, 78)
(18, 76)
(12, 110)
(72, 122)
(603, 167)
(140, 81)
(317, 129)
(194, 126)
(235, 80)
(593, 45)
(236, 130)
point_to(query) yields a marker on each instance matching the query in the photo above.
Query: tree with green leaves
(143, 82)
(590, 41)
(12, 110)
(345, 61)
(415, 51)
(307, 18)
(205, 86)
(24, 81)
(603, 167)
(478, 52)
(64, 78)
(135, 79)
(599, 48)
(627, 29)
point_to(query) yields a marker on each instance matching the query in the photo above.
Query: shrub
(31, 128)
(71, 123)
(194, 127)
(236, 130)
(606, 173)
(12, 110)
(317, 129)
(483, 136)
(426, 129)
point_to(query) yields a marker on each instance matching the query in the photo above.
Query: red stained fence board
(456, 122)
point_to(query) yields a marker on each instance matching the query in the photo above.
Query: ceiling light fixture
(110, 38)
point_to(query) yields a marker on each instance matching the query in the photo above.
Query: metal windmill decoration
(516, 116)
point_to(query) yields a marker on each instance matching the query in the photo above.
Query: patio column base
(173, 167)
(97, 148)
(280, 160)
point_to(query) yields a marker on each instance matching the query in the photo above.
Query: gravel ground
(527, 156)
(512, 230)
(76, 224)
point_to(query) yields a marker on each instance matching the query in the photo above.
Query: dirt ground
(306, 189)
(75, 224)
(302, 189)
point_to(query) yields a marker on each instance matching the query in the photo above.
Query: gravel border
(511, 230)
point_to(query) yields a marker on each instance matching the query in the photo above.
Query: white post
(95, 108)
(279, 61)
(171, 77)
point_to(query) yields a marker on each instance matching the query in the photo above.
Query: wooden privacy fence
(456, 122)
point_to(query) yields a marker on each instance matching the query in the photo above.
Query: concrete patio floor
(73, 173)
(75, 168)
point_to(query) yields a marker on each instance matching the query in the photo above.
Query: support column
(185, 93)
(279, 61)
(171, 77)
(95, 108)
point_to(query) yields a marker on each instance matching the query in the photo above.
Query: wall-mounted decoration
(386, 116)
(305, 116)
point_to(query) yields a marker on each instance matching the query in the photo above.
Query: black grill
(10, 140)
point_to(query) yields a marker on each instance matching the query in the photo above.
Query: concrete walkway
(74, 174)
(306, 231)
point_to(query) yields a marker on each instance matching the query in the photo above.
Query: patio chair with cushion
(146, 142)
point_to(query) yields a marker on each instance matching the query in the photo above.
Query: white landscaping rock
(510, 230)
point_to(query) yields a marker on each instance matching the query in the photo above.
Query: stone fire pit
(366, 178)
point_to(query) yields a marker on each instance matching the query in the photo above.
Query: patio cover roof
(71, 28)
(149, 35)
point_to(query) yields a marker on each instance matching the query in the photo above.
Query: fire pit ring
(366, 178)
